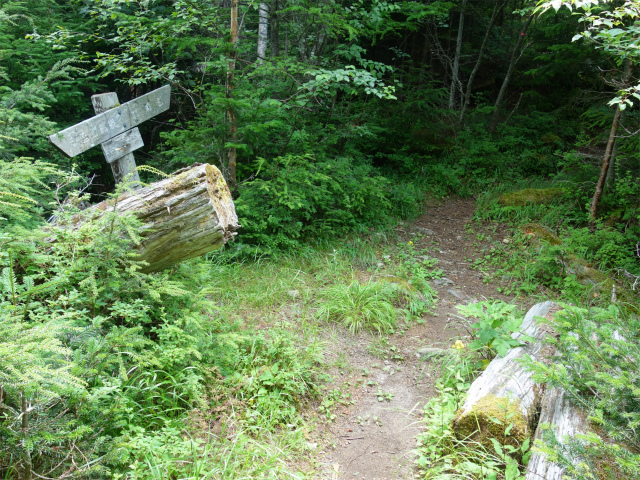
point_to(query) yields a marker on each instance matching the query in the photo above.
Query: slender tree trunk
(608, 154)
(233, 128)
(611, 171)
(456, 59)
(275, 29)
(515, 55)
(595, 201)
(263, 14)
(476, 67)
(25, 427)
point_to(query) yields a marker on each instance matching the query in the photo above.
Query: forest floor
(388, 380)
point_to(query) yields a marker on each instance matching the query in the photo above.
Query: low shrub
(297, 198)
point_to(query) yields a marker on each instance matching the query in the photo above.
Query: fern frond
(147, 168)
(21, 197)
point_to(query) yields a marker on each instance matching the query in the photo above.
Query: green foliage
(555, 251)
(275, 374)
(441, 455)
(298, 198)
(360, 306)
(496, 324)
(595, 365)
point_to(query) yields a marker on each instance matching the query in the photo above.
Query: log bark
(564, 419)
(184, 216)
(505, 394)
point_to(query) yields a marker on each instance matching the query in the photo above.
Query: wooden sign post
(114, 127)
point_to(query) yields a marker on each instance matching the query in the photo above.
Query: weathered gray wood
(184, 216)
(96, 130)
(565, 420)
(120, 145)
(505, 389)
(125, 166)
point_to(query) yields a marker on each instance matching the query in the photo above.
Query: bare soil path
(373, 437)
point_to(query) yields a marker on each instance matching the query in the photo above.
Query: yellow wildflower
(458, 345)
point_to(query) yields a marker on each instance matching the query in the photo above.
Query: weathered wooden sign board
(184, 216)
(114, 127)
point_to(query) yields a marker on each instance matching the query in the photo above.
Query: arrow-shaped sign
(96, 130)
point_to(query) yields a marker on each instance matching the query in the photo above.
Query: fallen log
(565, 420)
(184, 216)
(502, 402)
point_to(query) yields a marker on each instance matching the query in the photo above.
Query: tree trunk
(611, 171)
(456, 60)
(608, 154)
(595, 201)
(515, 56)
(505, 391)
(184, 216)
(275, 29)
(25, 426)
(233, 128)
(565, 420)
(476, 67)
(263, 14)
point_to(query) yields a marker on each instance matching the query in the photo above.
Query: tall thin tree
(515, 56)
(608, 153)
(231, 115)
(467, 94)
(456, 59)
(275, 29)
(263, 25)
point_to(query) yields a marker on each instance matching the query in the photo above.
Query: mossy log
(184, 216)
(505, 394)
(565, 420)
(530, 196)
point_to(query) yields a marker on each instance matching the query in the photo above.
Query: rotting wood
(184, 216)
(505, 394)
(564, 419)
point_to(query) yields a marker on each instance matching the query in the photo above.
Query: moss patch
(493, 417)
(530, 195)
(535, 231)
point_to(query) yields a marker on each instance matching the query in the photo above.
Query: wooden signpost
(184, 216)
(114, 127)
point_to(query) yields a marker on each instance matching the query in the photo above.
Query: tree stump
(184, 216)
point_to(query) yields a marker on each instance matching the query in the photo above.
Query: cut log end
(184, 216)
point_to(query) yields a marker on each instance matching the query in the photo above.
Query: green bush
(298, 198)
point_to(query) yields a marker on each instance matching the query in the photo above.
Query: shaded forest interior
(331, 122)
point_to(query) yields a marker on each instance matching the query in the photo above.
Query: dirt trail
(373, 439)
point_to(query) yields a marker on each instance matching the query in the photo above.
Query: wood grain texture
(564, 419)
(184, 216)
(124, 166)
(118, 146)
(114, 121)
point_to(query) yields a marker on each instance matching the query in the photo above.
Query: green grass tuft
(360, 306)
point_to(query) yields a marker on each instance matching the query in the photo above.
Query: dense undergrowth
(207, 370)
